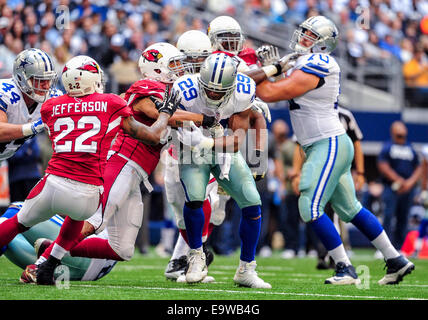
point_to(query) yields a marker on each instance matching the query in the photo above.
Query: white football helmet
(163, 62)
(81, 76)
(324, 36)
(226, 35)
(196, 46)
(34, 73)
(217, 79)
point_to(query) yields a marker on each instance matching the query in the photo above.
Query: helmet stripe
(222, 68)
(46, 65)
(215, 68)
(50, 61)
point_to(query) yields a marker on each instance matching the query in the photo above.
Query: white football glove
(267, 54)
(262, 107)
(195, 139)
(34, 127)
(216, 130)
(288, 61)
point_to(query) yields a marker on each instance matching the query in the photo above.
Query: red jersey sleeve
(143, 89)
(249, 56)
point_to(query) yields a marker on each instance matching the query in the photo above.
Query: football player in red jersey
(130, 162)
(81, 126)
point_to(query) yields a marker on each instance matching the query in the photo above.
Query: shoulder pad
(249, 56)
(188, 87)
(318, 64)
(9, 93)
(245, 91)
(146, 88)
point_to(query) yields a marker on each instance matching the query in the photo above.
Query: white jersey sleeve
(425, 152)
(12, 103)
(192, 100)
(314, 115)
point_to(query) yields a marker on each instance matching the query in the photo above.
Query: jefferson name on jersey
(77, 107)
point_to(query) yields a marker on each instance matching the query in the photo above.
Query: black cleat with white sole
(396, 270)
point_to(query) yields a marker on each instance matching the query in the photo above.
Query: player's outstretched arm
(146, 134)
(10, 132)
(150, 108)
(153, 134)
(297, 84)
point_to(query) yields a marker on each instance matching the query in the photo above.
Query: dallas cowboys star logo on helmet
(24, 62)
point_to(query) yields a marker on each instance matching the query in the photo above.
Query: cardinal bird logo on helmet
(90, 66)
(152, 55)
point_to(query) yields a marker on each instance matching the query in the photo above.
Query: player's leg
(326, 161)
(124, 212)
(177, 265)
(34, 210)
(349, 209)
(242, 188)
(85, 199)
(194, 179)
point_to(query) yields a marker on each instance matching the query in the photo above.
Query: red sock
(69, 233)
(95, 248)
(48, 250)
(206, 207)
(9, 229)
(184, 235)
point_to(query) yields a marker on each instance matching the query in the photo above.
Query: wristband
(27, 129)
(272, 70)
(360, 173)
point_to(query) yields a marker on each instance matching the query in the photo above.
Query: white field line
(265, 293)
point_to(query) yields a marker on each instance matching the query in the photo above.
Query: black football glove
(170, 102)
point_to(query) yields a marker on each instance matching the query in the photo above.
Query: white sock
(181, 248)
(338, 254)
(40, 260)
(58, 251)
(418, 244)
(383, 244)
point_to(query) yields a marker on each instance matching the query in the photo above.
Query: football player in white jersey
(312, 89)
(21, 97)
(197, 46)
(219, 91)
(24, 249)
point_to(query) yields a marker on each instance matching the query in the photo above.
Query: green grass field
(297, 279)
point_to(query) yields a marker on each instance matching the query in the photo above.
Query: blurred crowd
(114, 32)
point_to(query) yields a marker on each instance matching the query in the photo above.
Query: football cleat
(29, 275)
(176, 268)
(40, 245)
(207, 279)
(209, 255)
(246, 276)
(45, 272)
(397, 269)
(197, 266)
(343, 274)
